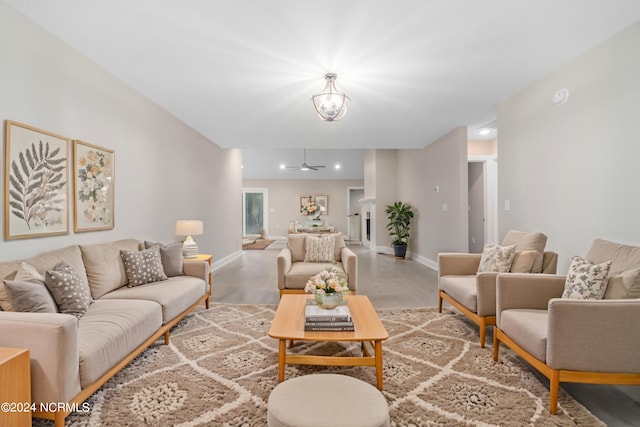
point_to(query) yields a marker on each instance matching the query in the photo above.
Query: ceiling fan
(305, 166)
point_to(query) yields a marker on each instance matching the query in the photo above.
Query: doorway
(483, 201)
(354, 224)
(254, 212)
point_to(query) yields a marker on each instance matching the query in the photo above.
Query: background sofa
(295, 267)
(71, 357)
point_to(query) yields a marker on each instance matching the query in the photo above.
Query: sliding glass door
(254, 211)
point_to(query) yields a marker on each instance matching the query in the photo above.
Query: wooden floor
(391, 283)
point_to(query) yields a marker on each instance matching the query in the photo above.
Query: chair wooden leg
(496, 345)
(554, 386)
(439, 302)
(483, 331)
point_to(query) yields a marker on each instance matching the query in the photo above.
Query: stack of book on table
(322, 319)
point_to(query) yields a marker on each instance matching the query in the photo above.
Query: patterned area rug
(221, 366)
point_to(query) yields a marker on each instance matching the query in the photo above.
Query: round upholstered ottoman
(326, 400)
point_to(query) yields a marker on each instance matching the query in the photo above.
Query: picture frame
(94, 185)
(323, 204)
(305, 203)
(36, 193)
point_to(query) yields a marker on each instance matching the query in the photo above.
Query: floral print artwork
(94, 187)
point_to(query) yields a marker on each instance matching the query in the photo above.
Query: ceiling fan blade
(317, 166)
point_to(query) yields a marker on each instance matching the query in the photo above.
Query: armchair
(294, 271)
(473, 293)
(574, 340)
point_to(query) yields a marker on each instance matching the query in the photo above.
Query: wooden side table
(15, 387)
(208, 258)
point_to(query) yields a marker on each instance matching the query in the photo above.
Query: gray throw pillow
(29, 297)
(171, 256)
(71, 295)
(143, 266)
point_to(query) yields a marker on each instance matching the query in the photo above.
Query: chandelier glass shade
(330, 105)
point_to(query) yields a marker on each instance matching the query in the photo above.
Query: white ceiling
(242, 72)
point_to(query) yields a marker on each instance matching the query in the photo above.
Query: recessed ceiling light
(484, 131)
(337, 166)
(282, 166)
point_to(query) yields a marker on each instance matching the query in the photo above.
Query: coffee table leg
(282, 354)
(378, 356)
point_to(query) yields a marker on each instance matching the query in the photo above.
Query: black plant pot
(400, 251)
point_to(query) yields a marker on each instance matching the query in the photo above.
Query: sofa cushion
(105, 269)
(622, 257)
(528, 328)
(110, 330)
(625, 284)
(526, 262)
(72, 296)
(496, 258)
(526, 241)
(339, 245)
(175, 294)
(41, 263)
(586, 280)
(462, 289)
(301, 272)
(143, 266)
(171, 255)
(320, 249)
(30, 297)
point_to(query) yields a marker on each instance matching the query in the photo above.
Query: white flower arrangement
(326, 282)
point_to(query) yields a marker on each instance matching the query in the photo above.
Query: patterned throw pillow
(171, 256)
(320, 249)
(71, 295)
(496, 258)
(143, 266)
(586, 280)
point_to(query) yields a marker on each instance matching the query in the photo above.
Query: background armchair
(473, 293)
(571, 340)
(294, 271)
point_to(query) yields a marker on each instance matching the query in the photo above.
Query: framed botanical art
(323, 204)
(36, 199)
(93, 179)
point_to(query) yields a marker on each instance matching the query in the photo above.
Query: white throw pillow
(586, 280)
(496, 258)
(320, 249)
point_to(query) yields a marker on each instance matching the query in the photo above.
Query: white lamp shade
(189, 228)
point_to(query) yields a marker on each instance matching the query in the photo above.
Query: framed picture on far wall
(36, 195)
(93, 179)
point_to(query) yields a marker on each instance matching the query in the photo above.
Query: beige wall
(284, 201)
(572, 171)
(482, 147)
(442, 164)
(164, 169)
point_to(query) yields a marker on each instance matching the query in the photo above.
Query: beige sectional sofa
(72, 357)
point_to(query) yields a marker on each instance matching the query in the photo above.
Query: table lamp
(189, 228)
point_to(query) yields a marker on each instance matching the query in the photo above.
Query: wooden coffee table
(288, 325)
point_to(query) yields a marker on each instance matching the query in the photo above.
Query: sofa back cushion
(624, 279)
(320, 249)
(525, 241)
(104, 266)
(298, 245)
(43, 262)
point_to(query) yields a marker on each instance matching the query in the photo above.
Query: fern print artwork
(36, 185)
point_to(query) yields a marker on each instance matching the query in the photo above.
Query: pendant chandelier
(330, 105)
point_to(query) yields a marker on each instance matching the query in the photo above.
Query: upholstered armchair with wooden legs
(574, 340)
(299, 261)
(473, 293)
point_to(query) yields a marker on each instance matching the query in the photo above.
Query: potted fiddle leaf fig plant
(400, 215)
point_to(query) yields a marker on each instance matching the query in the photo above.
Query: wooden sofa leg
(496, 345)
(483, 331)
(439, 302)
(554, 385)
(166, 338)
(58, 419)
